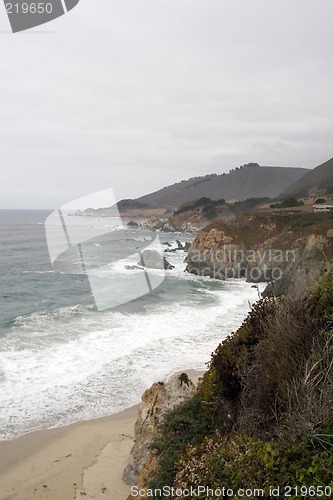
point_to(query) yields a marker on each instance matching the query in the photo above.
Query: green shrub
(288, 387)
(241, 461)
(288, 203)
(248, 204)
(232, 358)
(263, 411)
(204, 202)
(210, 212)
(181, 426)
(207, 390)
(321, 295)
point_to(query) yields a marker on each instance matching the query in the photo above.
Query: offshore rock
(169, 228)
(152, 259)
(187, 246)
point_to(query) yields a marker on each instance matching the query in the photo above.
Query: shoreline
(82, 460)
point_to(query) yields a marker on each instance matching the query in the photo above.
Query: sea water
(62, 360)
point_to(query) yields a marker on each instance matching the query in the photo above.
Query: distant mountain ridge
(315, 182)
(248, 181)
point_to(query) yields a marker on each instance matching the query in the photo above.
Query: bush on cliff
(275, 375)
(248, 204)
(288, 203)
(267, 397)
(181, 427)
(205, 203)
(240, 461)
(211, 208)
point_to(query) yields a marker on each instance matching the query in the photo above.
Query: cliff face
(155, 402)
(262, 246)
(262, 408)
(186, 223)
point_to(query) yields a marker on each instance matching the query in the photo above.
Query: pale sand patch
(84, 460)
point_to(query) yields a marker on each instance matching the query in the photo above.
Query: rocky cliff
(155, 402)
(263, 246)
(262, 414)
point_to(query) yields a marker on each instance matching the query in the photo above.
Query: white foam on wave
(75, 363)
(49, 271)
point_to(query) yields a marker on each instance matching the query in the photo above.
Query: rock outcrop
(153, 260)
(175, 224)
(154, 223)
(133, 224)
(155, 402)
(262, 246)
(180, 246)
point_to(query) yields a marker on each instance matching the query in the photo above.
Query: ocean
(62, 360)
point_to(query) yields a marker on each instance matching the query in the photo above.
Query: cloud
(136, 95)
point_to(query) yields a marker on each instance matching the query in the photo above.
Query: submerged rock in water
(167, 265)
(133, 267)
(187, 246)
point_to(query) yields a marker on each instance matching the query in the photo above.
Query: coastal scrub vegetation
(272, 225)
(204, 202)
(288, 203)
(262, 414)
(210, 208)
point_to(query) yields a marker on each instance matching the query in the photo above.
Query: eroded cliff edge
(263, 246)
(262, 413)
(156, 401)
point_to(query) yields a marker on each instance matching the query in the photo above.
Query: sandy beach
(81, 461)
(84, 460)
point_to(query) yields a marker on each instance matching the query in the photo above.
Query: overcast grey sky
(138, 94)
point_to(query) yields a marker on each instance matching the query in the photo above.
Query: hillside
(244, 182)
(195, 215)
(318, 181)
(261, 419)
